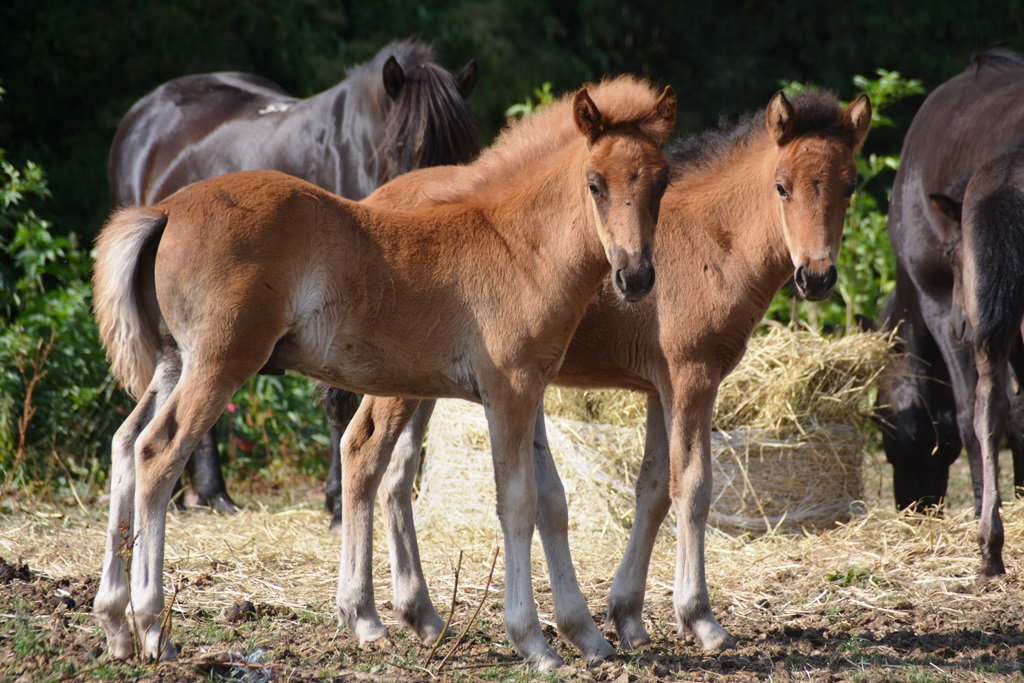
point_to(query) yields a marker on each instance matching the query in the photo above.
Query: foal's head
(815, 177)
(626, 177)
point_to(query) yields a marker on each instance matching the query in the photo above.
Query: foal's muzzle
(633, 275)
(815, 285)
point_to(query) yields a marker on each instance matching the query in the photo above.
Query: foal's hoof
(547, 661)
(712, 638)
(632, 634)
(159, 649)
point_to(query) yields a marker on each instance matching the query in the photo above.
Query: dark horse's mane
(813, 111)
(996, 58)
(429, 122)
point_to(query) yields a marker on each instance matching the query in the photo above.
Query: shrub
(57, 404)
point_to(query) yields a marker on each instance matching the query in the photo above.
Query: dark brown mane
(815, 111)
(996, 58)
(429, 122)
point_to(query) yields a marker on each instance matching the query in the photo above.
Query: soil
(47, 621)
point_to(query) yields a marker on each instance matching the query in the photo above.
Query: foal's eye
(595, 190)
(781, 190)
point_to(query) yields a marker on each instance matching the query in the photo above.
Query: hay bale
(765, 484)
(786, 453)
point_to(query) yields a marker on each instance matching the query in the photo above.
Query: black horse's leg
(1015, 418)
(207, 476)
(340, 406)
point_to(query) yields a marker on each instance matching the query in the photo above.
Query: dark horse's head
(429, 122)
(815, 177)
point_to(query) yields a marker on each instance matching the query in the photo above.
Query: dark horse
(398, 112)
(986, 238)
(968, 120)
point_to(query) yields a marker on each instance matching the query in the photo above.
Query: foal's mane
(429, 122)
(622, 100)
(813, 112)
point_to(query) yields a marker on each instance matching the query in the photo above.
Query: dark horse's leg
(340, 406)
(1015, 421)
(204, 466)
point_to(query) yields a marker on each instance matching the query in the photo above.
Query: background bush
(74, 67)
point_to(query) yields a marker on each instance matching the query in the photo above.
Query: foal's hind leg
(626, 600)
(112, 598)
(412, 603)
(160, 454)
(366, 450)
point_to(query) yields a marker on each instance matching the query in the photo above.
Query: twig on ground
(465, 630)
(451, 613)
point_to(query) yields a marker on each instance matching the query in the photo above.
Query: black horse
(398, 112)
(986, 238)
(927, 413)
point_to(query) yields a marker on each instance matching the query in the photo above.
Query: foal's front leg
(510, 417)
(690, 488)
(366, 450)
(571, 612)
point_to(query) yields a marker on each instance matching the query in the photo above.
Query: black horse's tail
(998, 255)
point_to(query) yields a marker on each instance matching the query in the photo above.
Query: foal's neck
(746, 217)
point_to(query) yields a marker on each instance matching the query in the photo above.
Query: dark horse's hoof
(223, 504)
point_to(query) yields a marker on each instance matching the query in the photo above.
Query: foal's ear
(857, 119)
(587, 116)
(663, 117)
(466, 80)
(947, 206)
(779, 117)
(394, 77)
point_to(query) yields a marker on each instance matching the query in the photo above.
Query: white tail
(131, 340)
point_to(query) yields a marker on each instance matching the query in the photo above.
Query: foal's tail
(129, 331)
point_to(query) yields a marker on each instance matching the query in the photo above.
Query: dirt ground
(886, 597)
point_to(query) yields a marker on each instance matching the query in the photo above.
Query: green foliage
(856, 576)
(274, 421)
(48, 341)
(541, 96)
(866, 262)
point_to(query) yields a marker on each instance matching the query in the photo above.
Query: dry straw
(786, 453)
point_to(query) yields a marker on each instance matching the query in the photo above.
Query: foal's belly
(380, 369)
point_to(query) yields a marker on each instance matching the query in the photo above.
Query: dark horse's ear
(857, 119)
(394, 77)
(663, 117)
(587, 116)
(466, 80)
(947, 206)
(779, 117)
